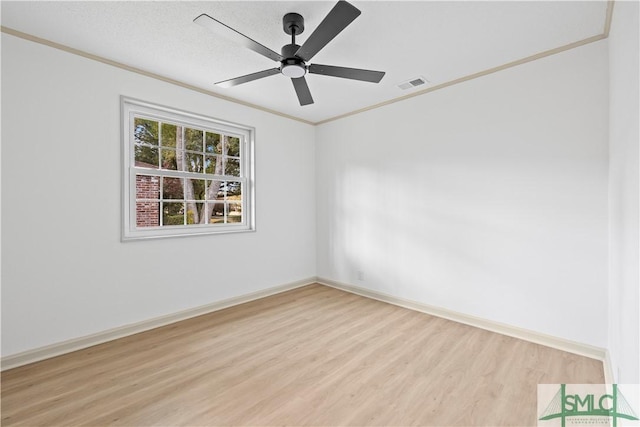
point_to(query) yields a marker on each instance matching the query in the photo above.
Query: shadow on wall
(482, 240)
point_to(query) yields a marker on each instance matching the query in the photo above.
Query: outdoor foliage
(167, 146)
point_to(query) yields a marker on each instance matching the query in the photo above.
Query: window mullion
(183, 149)
(182, 174)
(161, 202)
(159, 145)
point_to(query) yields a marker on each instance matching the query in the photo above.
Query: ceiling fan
(293, 58)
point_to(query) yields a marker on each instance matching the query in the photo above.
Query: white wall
(487, 198)
(624, 329)
(65, 272)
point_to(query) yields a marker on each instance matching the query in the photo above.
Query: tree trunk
(212, 191)
(192, 209)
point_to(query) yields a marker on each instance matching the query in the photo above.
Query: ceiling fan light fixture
(294, 71)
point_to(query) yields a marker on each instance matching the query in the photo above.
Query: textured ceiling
(441, 41)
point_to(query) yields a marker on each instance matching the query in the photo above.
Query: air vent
(415, 82)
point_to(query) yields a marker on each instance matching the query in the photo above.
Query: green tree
(181, 148)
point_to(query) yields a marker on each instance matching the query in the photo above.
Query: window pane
(169, 159)
(147, 187)
(232, 166)
(212, 143)
(147, 214)
(195, 189)
(216, 213)
(169, 135)
(172, 213)
(234, 191)
(193, 139)
(234, 212)
(233, 146)
(146, 157)
(172, 188)
(213, 165)
(194, 162)
(145, 131)
(195, 210)
(215, 190)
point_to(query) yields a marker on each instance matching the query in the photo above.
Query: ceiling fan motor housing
(292, 66)
(288, 51)
(292, 21)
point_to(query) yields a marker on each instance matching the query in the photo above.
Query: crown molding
(120, 65)
(470, 77)
(592, 39)
(608, 18)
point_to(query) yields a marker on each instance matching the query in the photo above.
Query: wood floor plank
(311, 356)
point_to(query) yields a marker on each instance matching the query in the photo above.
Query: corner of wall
(624, 195)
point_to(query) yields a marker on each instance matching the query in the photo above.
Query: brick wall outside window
(147, 213)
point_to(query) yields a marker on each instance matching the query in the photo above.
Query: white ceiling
(442, 41)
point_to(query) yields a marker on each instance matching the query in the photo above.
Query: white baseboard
(46, 352)
(57, 349)
(609, 377)
(489, 325)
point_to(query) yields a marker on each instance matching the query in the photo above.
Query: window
(184, 174)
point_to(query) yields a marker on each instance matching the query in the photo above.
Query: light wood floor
(311, 356)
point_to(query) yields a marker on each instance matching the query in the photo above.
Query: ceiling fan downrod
(293, 24)
(292, 66)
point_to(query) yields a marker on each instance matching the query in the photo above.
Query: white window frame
(131, 108)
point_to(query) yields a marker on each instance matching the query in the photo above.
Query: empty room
(320, 213)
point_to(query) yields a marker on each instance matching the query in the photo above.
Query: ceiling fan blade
(339, 17)
(302, 90)
(229, 33)
(347, 73)
(248, 78)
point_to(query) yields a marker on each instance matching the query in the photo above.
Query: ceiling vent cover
(414, 82)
